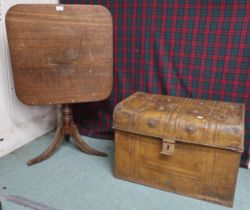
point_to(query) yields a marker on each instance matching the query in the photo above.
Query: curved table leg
(47, 153)
(82, 145)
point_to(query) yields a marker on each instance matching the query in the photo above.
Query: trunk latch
(168, 147)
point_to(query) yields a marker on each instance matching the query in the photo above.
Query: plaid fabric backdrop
(198, 49)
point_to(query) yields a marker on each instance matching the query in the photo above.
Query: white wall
(19, 124)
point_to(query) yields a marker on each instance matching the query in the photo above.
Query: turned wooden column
(66, 127)
(69, 61)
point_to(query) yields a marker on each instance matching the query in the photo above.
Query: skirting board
(19, 135)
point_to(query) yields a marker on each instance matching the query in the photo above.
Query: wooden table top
(60, 53)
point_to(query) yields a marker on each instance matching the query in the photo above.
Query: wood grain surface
(60, 53)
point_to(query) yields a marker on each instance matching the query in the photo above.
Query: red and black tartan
(197, 49)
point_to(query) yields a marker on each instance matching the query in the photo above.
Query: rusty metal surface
(211, 123)
(201, 172)
(60, 54)
(186, 146)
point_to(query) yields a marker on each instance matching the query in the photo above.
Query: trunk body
(187, 146)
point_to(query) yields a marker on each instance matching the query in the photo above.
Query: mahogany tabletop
(60, 53)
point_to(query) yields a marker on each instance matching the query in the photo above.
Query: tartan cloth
(197, 49)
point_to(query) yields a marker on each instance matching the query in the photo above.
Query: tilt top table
(61, 54)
